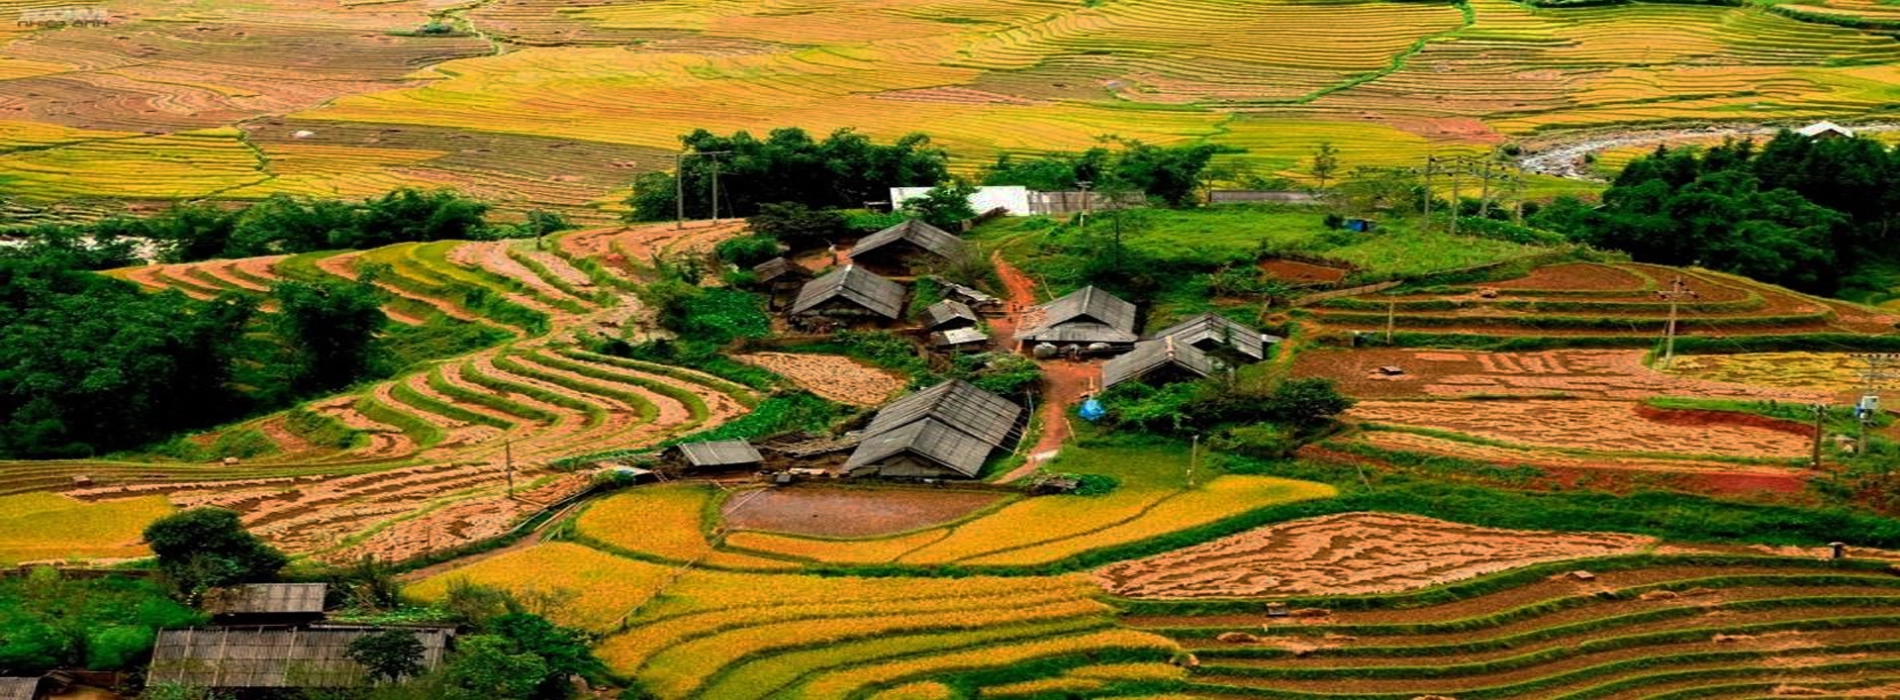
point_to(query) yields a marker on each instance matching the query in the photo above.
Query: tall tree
(1325, 162)
(333, 327)
(204, 548)
(844, 170)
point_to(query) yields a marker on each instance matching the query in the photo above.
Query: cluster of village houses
(950, 430)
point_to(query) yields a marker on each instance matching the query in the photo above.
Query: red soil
(826, 511)
(1064, 382)
(1296, 272)
(1576, 277)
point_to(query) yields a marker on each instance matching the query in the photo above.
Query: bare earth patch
(1610, 426)
(834, 377)
(834, 512)
(1350, 553)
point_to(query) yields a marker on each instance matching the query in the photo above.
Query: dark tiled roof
(722, 453)
(876, 294)
(956, 403)
(1150, 355)
(927, 438)
(266, 599)
(918, 233)
(1219, 329)
(234, 657)
(779, 268)
(1088, 315)
(949, 311)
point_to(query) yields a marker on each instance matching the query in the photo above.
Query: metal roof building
(851, 290)
(1088, 315)
(267, 599)
(905, 240)
(1824, 129)
(1210, 331)
(949, 314)
(946, 429)
(1160, 360)
(231, 657)
(719, 454)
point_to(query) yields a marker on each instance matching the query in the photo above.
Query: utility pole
(1431, 165)
(1517, 197)
(1820, 412)
(1484, 193)
(1675, 295)
(1456, 166)
(679, 184)
(508, 455)
(1872, 379)
(1391, 319)
(1194, 453)
(1084, 186)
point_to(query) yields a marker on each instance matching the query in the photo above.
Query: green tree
(204, 548)
(1306, 402)
(945, 206)
(1325, 162)
(334, 329)
(389, 655)
(843, 170)
(563, 652)
(490, 667)
(798, 225)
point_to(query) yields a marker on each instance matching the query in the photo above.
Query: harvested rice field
(1580, 374)
(1603, 426)
(836, 377)
(853, 512)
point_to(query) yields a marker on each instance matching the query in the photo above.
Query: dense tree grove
(844, 170)
(1171, 175)
(91, 364)
(204, 548)
(1797, 211)
(285, 224)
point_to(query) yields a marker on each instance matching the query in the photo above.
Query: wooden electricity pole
(1431, 165)
(508, 457)
(1675, 294)
(1391, 319)
(1455, 208)
(679, 185)
(1820, 412)
(1484, 193)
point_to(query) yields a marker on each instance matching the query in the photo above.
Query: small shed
(20, 688)
(948, 314)
(959, 340)
(1214, 333)
(1822, 131)
(976, 299)
(1087, 317)
(896, 250)
(266, 603)
(228, 658)
(780, 276)
(1159, 362)
(718, 455)
(851, 292)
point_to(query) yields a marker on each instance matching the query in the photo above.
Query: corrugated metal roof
(927, 438)
(958, 404)
(921, 234)
(271, 658)
(1089, 315)
(949, 311)
(720, 453)
(779, 267)
(1219, 329)
(19, 688)
(1151, 355)
(958, 336)
(266, 599)
(867, 290)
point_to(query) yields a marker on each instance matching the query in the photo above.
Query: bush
(798, 225)
(746, 251)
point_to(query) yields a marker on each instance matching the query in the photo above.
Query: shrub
(746, 251)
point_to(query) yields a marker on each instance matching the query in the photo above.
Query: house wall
(907, 466)
(1012, 199)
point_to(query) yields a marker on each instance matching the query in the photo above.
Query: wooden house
(1159, 361)
(945, 431)
(1825, 131)
(976, 299)
(850, 293)
(948, 315)
(1087, 321)
(20, 688)
(719, 455)
(780, 278)
(901, 249)
(1221, 336)
(959, 340)
(266, 604)
(251, 658)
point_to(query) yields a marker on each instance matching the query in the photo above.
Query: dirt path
(1064, 382)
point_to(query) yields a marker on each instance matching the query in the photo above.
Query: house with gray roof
(1159, 361)
(851, 292)
(20, 688)
(960, 340)
(899, 249)
(715, 455)
(1089, 319)
(947, 430)
(1217, 334)
(266, 603)
(243, 658)
(949, 314)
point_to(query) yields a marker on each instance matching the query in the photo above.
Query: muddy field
(842, 512)
(1576, 278)
(1593, 374)
(1606, 426)
(1348, 554)
(1299, 273)
(834, 377)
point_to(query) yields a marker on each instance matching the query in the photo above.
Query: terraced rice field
(422, 460)
(1596, 425)
(834, 377)
(547, 105)
(1639, 626)
(51, 527)
(1604, 301)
